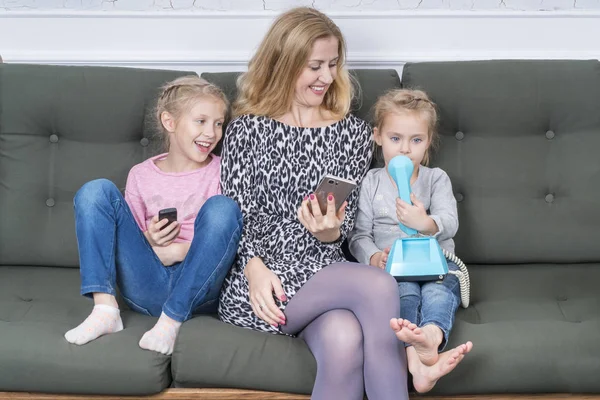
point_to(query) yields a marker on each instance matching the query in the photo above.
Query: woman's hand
(172, 254)
(326, 227)
(415, 216)
(380, 258)
(262, 284)
(159, 234)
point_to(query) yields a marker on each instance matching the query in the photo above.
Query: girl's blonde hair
(400, 101)
(179, 95)
(267, 88)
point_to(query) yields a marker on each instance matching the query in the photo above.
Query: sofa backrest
(63, 126)
(520, 141)
(60, 127)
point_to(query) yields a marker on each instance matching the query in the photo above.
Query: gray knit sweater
(376, 225)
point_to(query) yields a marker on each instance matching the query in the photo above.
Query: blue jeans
(435, 302)
(113, 252)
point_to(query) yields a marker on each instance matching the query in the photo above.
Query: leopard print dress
(268, 167)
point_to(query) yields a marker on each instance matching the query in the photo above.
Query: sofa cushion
(535, 330)
(211, 353)
(520, 142)
(37, 307)
(60, 127)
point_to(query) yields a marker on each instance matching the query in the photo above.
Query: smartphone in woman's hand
(340, 188)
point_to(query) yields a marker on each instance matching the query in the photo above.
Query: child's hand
(379, 259)
(413, 216)
(157, 236)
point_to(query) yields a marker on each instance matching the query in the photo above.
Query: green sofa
(519, 140)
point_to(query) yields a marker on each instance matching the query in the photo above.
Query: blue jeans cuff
(89, 290)
(173, 316)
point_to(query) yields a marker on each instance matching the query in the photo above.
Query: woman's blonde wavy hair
(267, 88)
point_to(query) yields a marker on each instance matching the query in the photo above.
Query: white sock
(103, 319)
(162, 337)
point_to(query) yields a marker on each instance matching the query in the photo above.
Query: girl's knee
(219, 212)
(449, 287)
(93, 191)
(222, 205)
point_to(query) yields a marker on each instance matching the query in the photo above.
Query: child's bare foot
(426, 340)
(425, 377)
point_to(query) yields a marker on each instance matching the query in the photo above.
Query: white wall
(220, 35)
(276, 5)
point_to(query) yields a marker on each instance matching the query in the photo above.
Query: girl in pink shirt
(167, 269)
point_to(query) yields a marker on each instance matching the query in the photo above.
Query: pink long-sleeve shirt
(149, 190)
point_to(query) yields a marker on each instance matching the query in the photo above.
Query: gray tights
(343, 313)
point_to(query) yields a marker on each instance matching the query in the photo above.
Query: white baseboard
(225, 41)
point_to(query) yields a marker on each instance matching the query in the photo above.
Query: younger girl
(162, 269)
(405, 122)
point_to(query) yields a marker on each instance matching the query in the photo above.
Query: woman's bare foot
(426, 340)
(425, 377)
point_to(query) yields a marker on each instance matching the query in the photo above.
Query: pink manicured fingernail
(305, 198)
(330, 198)
(283, 298)
(275, 325)
(312, 196)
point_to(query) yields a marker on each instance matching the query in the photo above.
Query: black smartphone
(339, 187)
(168, 213)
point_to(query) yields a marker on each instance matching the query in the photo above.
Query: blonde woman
(293, 127)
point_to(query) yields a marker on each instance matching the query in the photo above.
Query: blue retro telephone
(418, 257)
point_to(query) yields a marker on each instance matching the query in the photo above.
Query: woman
(292, 128)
